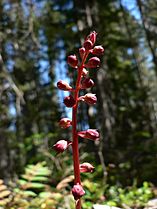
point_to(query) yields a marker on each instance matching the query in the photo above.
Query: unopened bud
(86, 168)
(93, 62)
(65, 123)
(98, 50)
(92, 37)
(88, 45)
(72, 61)
(89, 98)
(69, 101)
(87, 83)
(77, 191)
(82, 52)
(61, 146)
(92, 134)
(64, 85)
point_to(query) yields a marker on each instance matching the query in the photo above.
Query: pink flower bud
(77, 191)
(87, 83)
(72, 61)
(84, 72)
(92, 134)
(65, 123)
(82, 52)
(64, 85)
(61, 146)
(69, 101)
(98, 50)
(86, 168)
(89, 98)
(88, 45)
(92, 37)
(93, 62)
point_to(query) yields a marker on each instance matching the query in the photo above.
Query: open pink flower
(65, 123)
(61, 145)
(77, 191)
(64, 85)
(89, 98)
(92, 134)
(86, 168)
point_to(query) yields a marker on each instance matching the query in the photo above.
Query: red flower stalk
(72, 101)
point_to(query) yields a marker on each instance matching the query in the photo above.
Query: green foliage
(5, 197)
(131, 196)
(32, 191)
(32, 183)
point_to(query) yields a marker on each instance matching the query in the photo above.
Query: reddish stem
(74, 129)
(78, 204)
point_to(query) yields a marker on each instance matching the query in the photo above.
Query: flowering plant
(72, 101)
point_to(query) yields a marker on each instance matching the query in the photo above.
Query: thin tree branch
(18, 92)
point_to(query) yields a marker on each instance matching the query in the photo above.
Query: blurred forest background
(36, 36)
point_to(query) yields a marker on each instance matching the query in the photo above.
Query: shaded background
(35, 39)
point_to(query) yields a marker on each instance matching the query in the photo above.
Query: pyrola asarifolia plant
(72, 101)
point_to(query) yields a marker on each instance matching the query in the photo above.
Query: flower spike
(82, 82)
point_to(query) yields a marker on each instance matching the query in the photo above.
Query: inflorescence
(83, 82)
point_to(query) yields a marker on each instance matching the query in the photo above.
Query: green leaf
(30, 193)
(36, 185)
(39, 178)
(22, 182)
